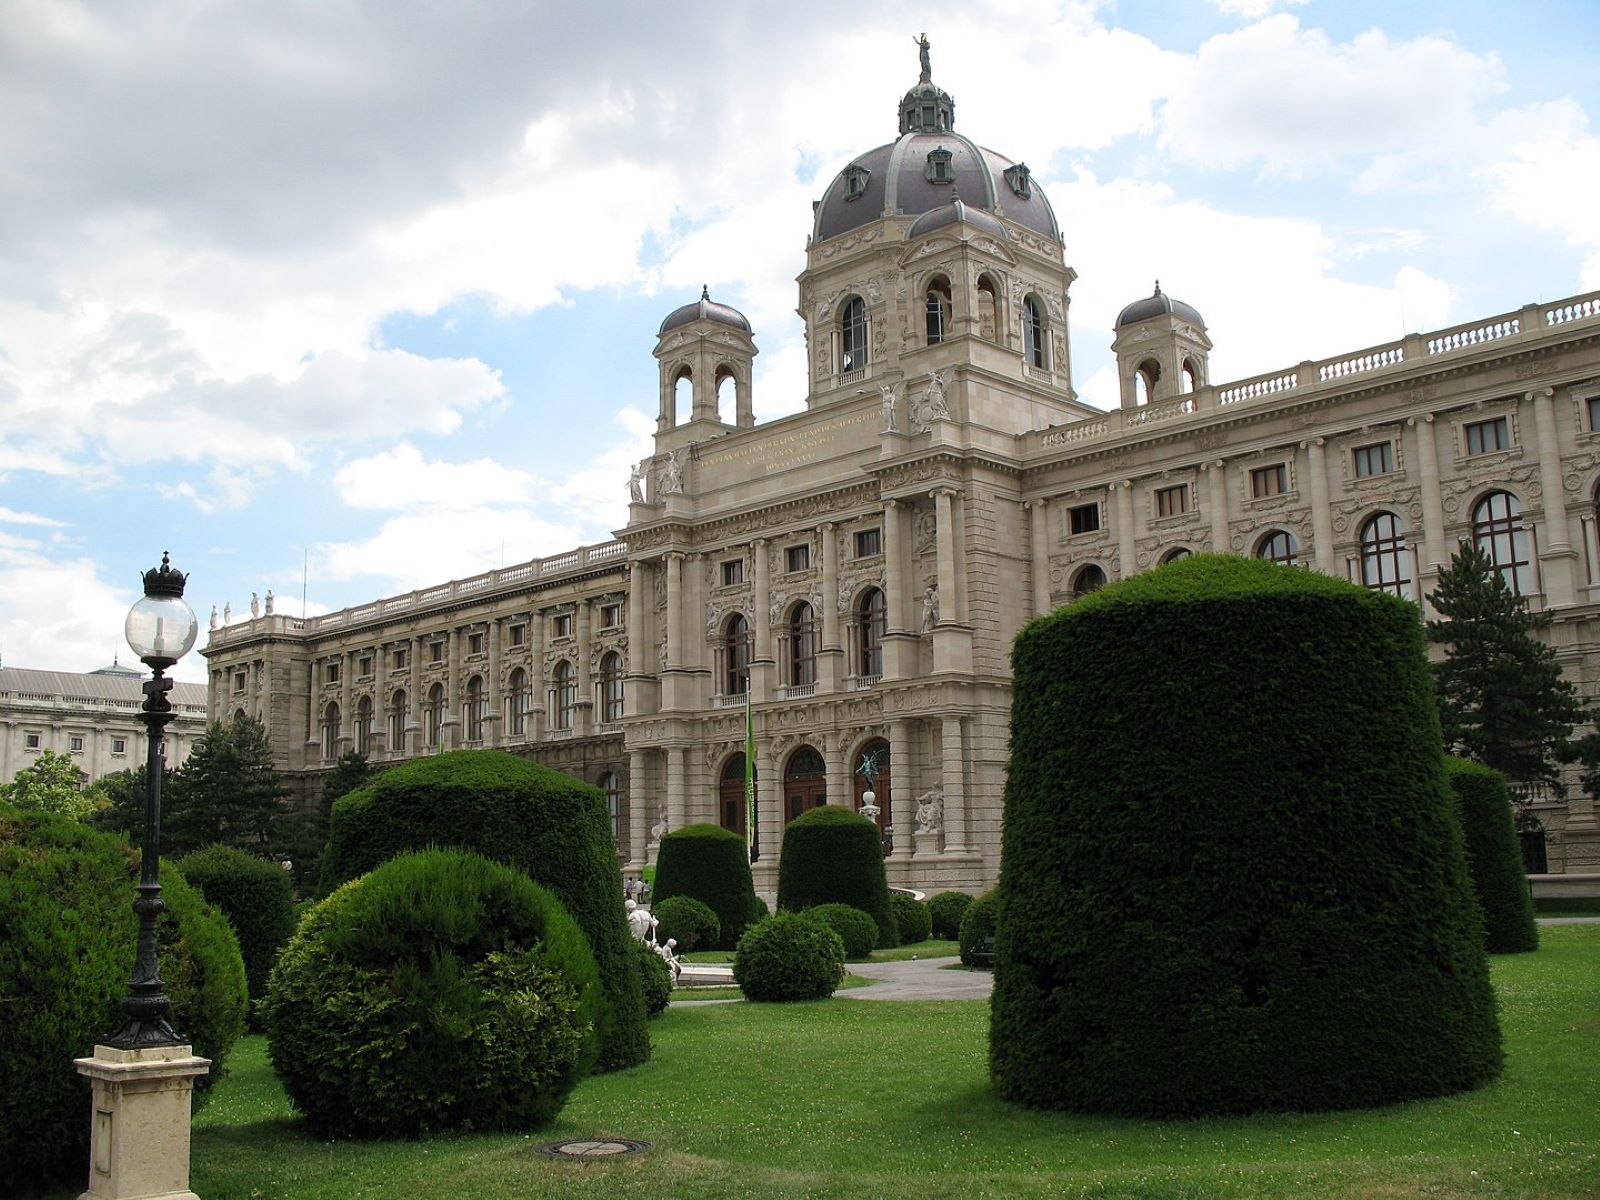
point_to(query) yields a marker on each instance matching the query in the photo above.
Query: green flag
(749, 776)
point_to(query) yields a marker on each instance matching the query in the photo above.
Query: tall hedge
(1494, 857)
(551, 826)
(68, 935)
(257, 898)
(1232, 872)
(712, 865)
(832, 855)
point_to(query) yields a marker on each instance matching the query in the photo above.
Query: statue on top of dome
(922, 54)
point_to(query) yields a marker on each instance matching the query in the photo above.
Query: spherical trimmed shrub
(257, 898)
(977, 931)
(945, 912)
(789, 956)
(712, 865)
(833, 855)
(1494, 859)
(693, 924)
(68, 936)
(911, 918)
(1232, 872)
(441, 991)
(655, 978)
(856, 929)
(550, 826)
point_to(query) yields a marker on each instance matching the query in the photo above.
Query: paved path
(924, 979)
(1569, 920)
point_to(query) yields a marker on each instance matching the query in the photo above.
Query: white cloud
(1548, 175)
(10, 516)
(1253, 10)
(402, 478)
(58, 613)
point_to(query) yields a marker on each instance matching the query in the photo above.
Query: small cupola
(706, 352)
(1162, 350)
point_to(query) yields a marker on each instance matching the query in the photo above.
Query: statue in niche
(891, 421)
(659, 829)
(670, 481)
(930, 606)
(636, 481)
(270, 602)
(255, 605)
(931, 406)
(930, 811)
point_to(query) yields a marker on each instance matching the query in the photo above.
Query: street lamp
(161, 629)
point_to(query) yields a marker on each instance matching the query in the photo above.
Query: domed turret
(1158, 304)
(703, 346)
(1161, 347)
(705, 309)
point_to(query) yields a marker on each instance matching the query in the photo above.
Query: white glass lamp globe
(161, 627)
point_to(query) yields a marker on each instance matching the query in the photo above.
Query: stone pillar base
(139, 1122)
(927, 843)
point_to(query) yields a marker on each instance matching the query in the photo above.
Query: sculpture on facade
(930, 606)
(215, 620)
(930, 811)
(659, 829)
(636, 481)
(891, 422)
(269, 602)
(922, 57)
(931, 406)
(255, 605)
(670, 481)
(227, 612)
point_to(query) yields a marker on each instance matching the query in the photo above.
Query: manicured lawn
(865, 1099)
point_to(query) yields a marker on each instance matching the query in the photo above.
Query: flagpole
(749, 775)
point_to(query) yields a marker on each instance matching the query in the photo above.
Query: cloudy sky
(363, 295)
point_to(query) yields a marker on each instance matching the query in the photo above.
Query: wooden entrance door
(805, 784)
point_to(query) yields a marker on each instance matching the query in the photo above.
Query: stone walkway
(924, 979)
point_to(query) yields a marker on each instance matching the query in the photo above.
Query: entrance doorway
(731, 805)
(875, 752)
(805, 784)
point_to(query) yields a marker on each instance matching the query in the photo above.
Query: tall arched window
(397, 721)
(607, 783)
(611, 687)
(363, 730)
(1385, 557)
(1280, 546)
(682, 395)
(330, 731)
(433, 716)
(474, 709)
(852, 335)
(1090, 579)
(1145, 378)
(564, 695)
(736, 656)
(872, 614)
(803, 633)
(517, 703)
(1497, 530)
(1033, 333)
(938, 307)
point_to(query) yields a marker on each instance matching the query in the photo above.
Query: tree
(118, 801)
(52, 784)
(227, 793)
(1502, 699)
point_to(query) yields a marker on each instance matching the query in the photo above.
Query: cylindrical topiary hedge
(833, 855)
(1232, 872)
(551, 826)
(911, 918)
(789, 956)
(655, 978)
(441, 991)
(856, 929)
(687, 921)
(977, 932)
(712, 865)
(68, 936)
(945, 912)
(257, 898)
(1494, 859)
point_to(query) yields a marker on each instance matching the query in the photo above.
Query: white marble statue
(636, 481)
(270, 602)
(215, 620)
(930, 811)
(891, 422)
(930, 606)
(641, 923)
(255, 605)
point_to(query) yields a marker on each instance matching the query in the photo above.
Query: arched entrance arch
(805, 784)
(731, 808)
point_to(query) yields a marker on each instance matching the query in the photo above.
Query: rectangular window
(1592, 405)
(331, 673)
(610, 616)
(239, 681)
(31, 741)
(797, 558)
(1170, 501)
(561, 625)
(1374, 460)
(75, 743)
(1269, 481)
(732, 572)
(366, 666)
(869, 542)
(519, 635)
(1085, 518)
(1485, 437)
(119, 745)
(399, 658)
(436, 652)
(474, 643)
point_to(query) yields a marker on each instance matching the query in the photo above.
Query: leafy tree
(1502, 700)
(228, 793)
(52, 784)
(306, 832)
(118, 801)
(349, 773)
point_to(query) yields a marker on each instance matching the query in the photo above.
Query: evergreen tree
(52, 784)
(227, 793)
(1502, 699)
(118, 800)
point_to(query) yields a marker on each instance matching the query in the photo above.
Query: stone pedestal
(139, 1131)
(927, 843)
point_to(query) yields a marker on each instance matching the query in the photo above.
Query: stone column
(677, 787)
(450, 727)
(1321, 513)
(493, 688)
(139, 1122)
(674, 610)
(584, 723)
(837, 770)
(533, 722)
(945, 502)
(761, 662)
(894, 566)
(638, 631)
(347, 664)
(1217, 502)
(1127, 554)
(830, 662)
(901, 806)
(953, 759)
(769, 815)
(1557, 553)
(638, 809)
(1433, 549)
(1039, 528)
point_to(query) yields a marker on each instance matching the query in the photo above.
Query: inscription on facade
(791, 449)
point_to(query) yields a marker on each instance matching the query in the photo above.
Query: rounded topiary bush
(550, 826)
(257, 898)
(856, 929)
(693, 924)
(68, 935)
(1494, 859)
(977, 932)
(789, 956)
(712, 865)
(831, 855)
(655, 979)
(945, 912)
(911, 919)
(441, 991)
(1233, 881)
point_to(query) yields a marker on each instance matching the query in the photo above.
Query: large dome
(930, 167)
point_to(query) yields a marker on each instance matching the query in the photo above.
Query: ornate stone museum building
(858, 570)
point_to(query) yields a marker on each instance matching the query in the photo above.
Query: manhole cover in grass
(589, 1148)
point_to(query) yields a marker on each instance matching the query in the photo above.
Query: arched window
(803, 634)
(239, 714)
(1145, 378)
(433, 716)
(727, 392)
(733, 811)
(1280, 546)
(564, 695)
(1090, 579)
(1175, 554)
(682, 395)
(330, 731)
(363, 730)
(397, 721)
(474, 709)
(852, 335)
(988, 308)
(938, 306)
(805, 782)
(611, 687)
(736, 656)
(1033, 333)
(607, 783)
(872, 614)
(1385, 558)
(517, 703)
(1497, 530)
(1191, 376)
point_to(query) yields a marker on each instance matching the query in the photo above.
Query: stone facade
(860, 568)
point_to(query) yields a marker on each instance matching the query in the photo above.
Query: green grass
(845, 1099)
(733, 993)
